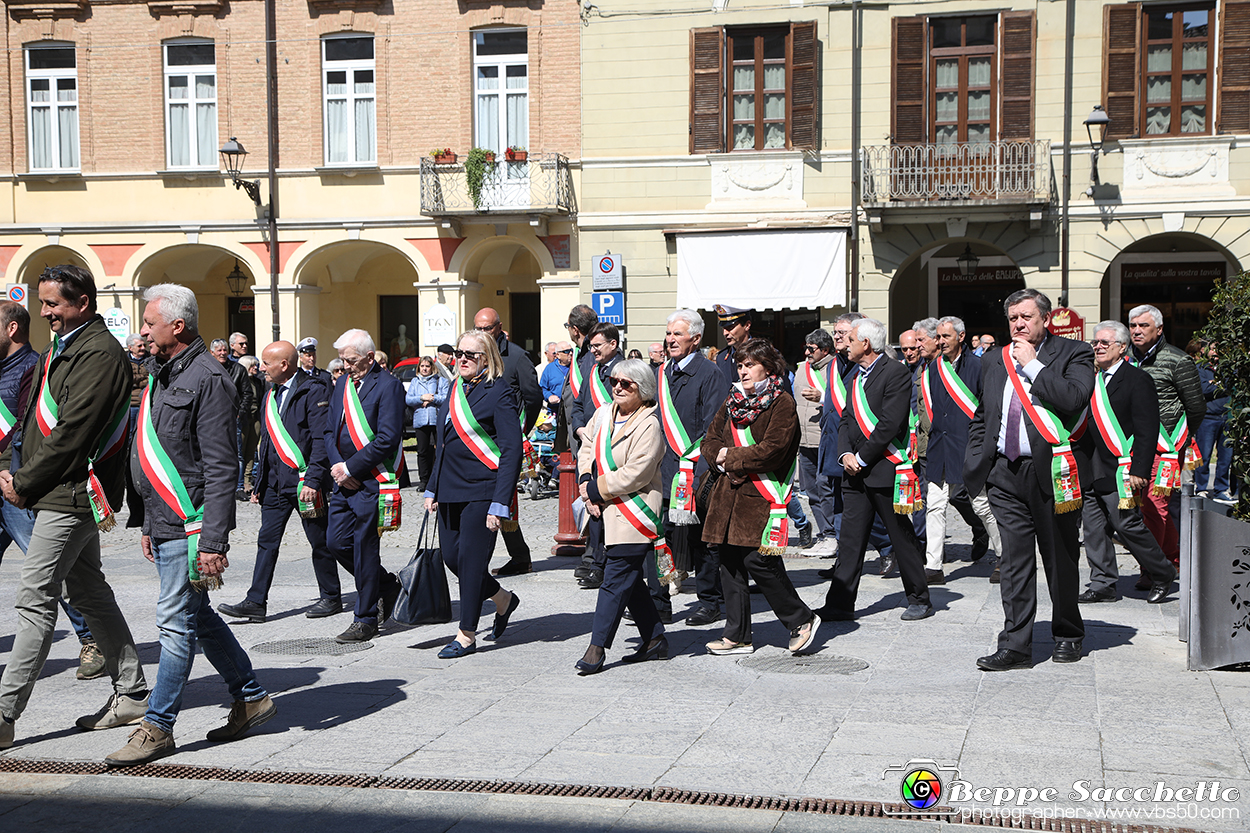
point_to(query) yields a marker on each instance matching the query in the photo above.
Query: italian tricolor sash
(816, 379)
(470, 430)
(1067, 485)
(1168, 445)
(575, 376)
(926, 393)
(599, 393)
(45, 407)
(836, 388)
(907, 497)
(955, 386)
(681, 495)
(386, 473)
(1119, 444)
(288, 452)
(776, 490)
(166, 480)
(7, 421)
(632, 507)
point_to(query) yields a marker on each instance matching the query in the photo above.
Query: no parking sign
(609, 273)
(18, 293)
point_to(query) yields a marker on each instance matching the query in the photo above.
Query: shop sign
(1067, 323)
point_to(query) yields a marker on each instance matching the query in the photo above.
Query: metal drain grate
(310, 646)
(820, 664)
(667, 795)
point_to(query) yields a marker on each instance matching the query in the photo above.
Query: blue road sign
(609, 306)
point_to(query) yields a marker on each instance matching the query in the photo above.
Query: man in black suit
(302, 402)
(1010, 458)
(519, 372)
(869, 479)
(1134, 418)
(582, 319)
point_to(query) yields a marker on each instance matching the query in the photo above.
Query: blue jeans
(184, 616)
(16, 526)
(1210, 434)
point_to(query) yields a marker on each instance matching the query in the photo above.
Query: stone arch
(508, 270)
(28, 264)
(203, 268)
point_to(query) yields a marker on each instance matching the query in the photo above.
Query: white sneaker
(723, 647)
(826, 547)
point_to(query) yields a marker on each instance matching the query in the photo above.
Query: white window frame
(502, 62)
(351, 97)
(52, 76)
(191, 72)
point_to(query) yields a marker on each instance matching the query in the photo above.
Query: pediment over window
(160, 8)
(46, 9)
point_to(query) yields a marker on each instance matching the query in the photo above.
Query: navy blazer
(1136, 404)
(583, 405)
(948, 434)
(888, 391)
(698, 392)
(458, 475)
(304, 415)
(382, 397)
(828, 460)
(1065, 385)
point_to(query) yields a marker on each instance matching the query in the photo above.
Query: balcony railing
(542, 184)
(982, 171)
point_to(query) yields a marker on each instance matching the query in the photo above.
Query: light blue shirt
(1028, 373)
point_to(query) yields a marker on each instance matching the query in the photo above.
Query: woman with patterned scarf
(753, 442)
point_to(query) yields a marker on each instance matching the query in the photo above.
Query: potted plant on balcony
(516, 153)
(443, 156)
(475, 172)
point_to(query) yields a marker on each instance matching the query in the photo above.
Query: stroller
(538, 471)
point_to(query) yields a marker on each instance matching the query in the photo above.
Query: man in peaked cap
(307, 349)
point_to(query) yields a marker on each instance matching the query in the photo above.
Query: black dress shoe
(387, 598)
(1158, 592)
(1004, 659)
(514, 568)
(585, 669)
(980, 546)
(1066, 650)
(592, 581)
(250, 611)
(805, 537)
(704, 616)
(666, 616)
(996, 577)
(324, 608)
(501, 619)
(886, 565)
(1095, 596)
(655, 649)
(932, 577)
(582, 571)
(826, 573)
(830, 614)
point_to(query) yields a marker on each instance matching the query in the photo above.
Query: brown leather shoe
(244, 716)
(147, 743)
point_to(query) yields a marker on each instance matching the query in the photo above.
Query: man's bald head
(279, 361)
(486, 319)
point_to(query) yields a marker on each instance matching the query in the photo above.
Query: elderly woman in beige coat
(621, 483)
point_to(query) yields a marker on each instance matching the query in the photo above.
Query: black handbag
(703, 494)
(424, 598)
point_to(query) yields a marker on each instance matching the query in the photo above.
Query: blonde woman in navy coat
(473, 481)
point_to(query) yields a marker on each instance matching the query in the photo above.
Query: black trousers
(595, 555)
(352, 533)
(275, 511)
(425, 451)
(1101, 510)
(623, 588)
(1028, 524)
(737, 565)
(467, 547)
(861, 506)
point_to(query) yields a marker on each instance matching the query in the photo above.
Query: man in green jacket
(70, 441)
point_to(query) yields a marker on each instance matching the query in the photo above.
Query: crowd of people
(686, 466)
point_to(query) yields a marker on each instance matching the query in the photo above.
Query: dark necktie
(1011, 443)
(278, 397)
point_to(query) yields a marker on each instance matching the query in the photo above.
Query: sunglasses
(1102, 343)
(565, 352)
(471, 355)
(626, 384)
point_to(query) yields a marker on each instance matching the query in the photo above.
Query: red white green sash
(926, 394)
(1067, 485)
(1119, 444)
(688, 451)
(955, 386)
(287, 449)
(837, 388)
(776, 490)
(7, 421)
(632, 507)
(599, 393)
(907, 497)
(167, 481)
(470, 430)
(1168, 445)
(45, 407)
(816, 379)
(386, 472)
(575, 376)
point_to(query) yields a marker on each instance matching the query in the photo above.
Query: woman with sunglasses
(473, 480)
(754, 441)
(621, 484)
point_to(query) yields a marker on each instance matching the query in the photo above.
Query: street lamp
(233, 154)
(236, 279)
(1096, 119)
(967, 262)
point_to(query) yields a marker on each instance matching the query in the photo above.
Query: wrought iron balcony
(986, 172)
(541, 185)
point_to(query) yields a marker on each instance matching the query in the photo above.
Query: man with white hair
(184, 454)
(1182, 407)
(878, 480)
(364, 429)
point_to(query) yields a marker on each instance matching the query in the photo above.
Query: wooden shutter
(1234, 103)
(707, 90)
(1019, 35)
(908, 124)
(804, 86)
(1120, 68)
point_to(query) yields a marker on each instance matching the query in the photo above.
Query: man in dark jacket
(80, 388)
(222, 351)
(301, 402)
(519, 372)
(582, 319)
(185, 455)
(307, 348)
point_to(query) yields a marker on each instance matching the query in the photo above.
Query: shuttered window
(1234, 73)
(754, 88)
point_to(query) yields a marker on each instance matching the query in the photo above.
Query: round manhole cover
(820, 664)
(311, 646)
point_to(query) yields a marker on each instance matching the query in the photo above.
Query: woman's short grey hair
(641, 374)
(1120, 332)
(872, 330)
(954, 321)
(690, 317)
(176, 302)
(132, 339)
(821, 339)
(926, 325)
(359, 339)
(1155, 314)
(335, 365)
(248, 362)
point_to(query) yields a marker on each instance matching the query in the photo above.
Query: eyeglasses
(565, 352)
(471, 355)
(1102, 343)
(597, 347)
(618, 382)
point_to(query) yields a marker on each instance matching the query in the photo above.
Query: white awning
(794, 269)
